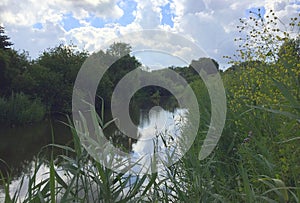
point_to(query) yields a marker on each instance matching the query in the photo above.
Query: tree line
(50, 78)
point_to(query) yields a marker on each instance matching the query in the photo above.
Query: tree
(4, 43)
(117, 70)
(210, 66)
(118, 49)
(39, 81)
(4, 60)
(63, 59)
(12, 64)
(56, 72)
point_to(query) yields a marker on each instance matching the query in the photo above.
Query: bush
(20, 109)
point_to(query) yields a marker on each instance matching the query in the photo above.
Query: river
(21, 147)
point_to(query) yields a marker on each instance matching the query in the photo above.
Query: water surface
(21, 147)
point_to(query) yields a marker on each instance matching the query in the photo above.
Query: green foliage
(39, 81)
(65, 60)
(4, 82)
(118, 49)
(263, 36)
(257, 157)
(263, 99)
(20, 109)
(209, 66)
(54, 74)
(117, 70)
(4, 43)
(12, 64)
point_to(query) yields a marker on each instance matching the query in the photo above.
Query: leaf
(286, 93)
(284, 113)
(52, 181)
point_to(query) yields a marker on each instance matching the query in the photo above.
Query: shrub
(20, 109)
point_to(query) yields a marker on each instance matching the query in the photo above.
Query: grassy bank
(255, 161)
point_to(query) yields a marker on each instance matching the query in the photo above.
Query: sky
(35, 25)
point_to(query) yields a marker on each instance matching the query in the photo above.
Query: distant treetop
(4, 39)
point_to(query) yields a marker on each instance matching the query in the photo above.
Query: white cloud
(100, 8)
(27, 12)
(209, 23)
(283, 10)
(36, 41)
(91, 38)
(212, 23)
(147, 14)
(20, 16)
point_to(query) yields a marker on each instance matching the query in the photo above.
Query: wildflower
(246, 140)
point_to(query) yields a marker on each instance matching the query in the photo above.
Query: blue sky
(35, 25)
(167, 15)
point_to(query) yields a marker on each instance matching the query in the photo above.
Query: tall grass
(245, 167)
(20, 109)
(74, 176)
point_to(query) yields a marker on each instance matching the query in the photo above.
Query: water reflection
(20, 146)
(158, 124)
(158, 134)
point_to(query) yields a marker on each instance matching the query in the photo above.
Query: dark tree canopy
(210, 66)
(4, 39)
